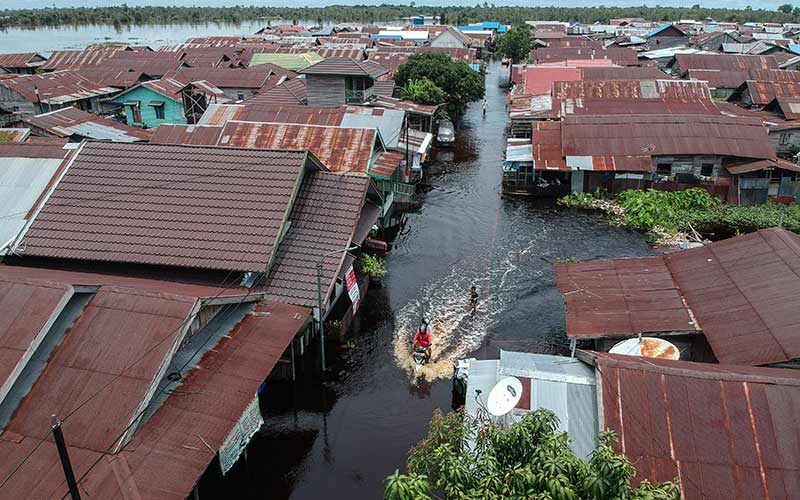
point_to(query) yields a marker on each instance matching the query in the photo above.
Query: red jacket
(422, 339)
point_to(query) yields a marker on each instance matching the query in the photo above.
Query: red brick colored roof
(185, 206)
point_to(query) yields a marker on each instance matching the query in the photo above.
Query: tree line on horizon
(457, 15)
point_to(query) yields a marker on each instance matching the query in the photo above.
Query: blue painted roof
(795, 48)
(470, 28)
(387, 37)
(490, 25)
(658, 30)
(475, 67)
(502, 28)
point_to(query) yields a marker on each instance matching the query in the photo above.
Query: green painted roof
(292, 62)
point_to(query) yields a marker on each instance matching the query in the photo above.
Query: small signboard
(352, 288)
(236, 442)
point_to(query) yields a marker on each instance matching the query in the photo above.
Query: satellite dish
(504, 396)
(648, 347)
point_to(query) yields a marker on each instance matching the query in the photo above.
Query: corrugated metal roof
(27, 172)
(389, 122)
(22, 60)
(565, 107)
(762, 93)
(339, 149)
(250, 78)
(774, 75)
(789, 107)
(623, 73)
(211, 208)
(724, 431)
(386, 164)
(620, 56)
(538, 80)
(631, 89)
(634, 135)
(621, 298)
(112, 77)
(112, 353)
(218, 115)
(566, 386)
(720, 79)
(59, 87)
(293, 62)
(743, 293)
(289, 92)
(68, 122)
(324, 219)
(724, 62)
(168, 87)
(412, 107)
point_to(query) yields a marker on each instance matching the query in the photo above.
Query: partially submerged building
(29, 95)
(76, 125)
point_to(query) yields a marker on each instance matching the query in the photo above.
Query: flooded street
(343, 439)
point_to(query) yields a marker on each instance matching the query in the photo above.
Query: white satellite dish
(647, 347)
(504, 396)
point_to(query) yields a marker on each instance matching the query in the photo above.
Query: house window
(240, 96)
(664, 169)
(785, 138)
(136, 112)
(707, 169)
(158, 107)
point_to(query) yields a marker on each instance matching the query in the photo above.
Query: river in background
(341, 439)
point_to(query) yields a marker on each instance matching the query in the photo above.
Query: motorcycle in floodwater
(420, 357)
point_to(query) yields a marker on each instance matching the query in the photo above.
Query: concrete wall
(173, 111)
(325, 90)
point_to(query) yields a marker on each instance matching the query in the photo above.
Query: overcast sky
(761, 4)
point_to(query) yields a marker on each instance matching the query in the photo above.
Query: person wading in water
(473, 299)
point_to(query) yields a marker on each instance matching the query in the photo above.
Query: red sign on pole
(352, 288)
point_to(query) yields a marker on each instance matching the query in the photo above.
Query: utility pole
(63, 454)
(319, 300)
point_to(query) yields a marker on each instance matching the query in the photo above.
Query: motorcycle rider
(422, 339)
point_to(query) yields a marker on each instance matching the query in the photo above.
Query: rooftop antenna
(504, 396)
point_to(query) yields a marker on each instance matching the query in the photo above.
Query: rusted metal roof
(621, 298)
(112, 77)
(620, 56)
(150, 63)
(537, 80)
(774, 75)
(724, 62)
(634, 135)
(69, 122)
(762, 93)
(383, 88)
(66, 59)
(23, 60)
(720, 79)
(339, 149)
(623, 73)
(789, 107)
(345, 66)
(686, 90)
(113, 351)
(386, 164)
(250, 78)
(59, 87)
(566, 107)
(327, 209)
(301, 115)
(168, 87)
(742, 292)
(575, 41)
(724, 431)
(184, 206)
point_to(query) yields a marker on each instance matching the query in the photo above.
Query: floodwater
(341, 439)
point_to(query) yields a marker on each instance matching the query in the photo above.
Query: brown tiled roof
(289, 92)
(323, 220)
(212, 208)
(345, 66)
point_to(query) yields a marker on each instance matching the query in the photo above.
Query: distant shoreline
(128, 16)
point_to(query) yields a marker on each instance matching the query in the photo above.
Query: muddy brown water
(342, 438)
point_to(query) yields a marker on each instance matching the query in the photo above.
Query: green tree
(460, 84)
(786, 8)
(423, 91)
(528, 461)
(516, 44)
